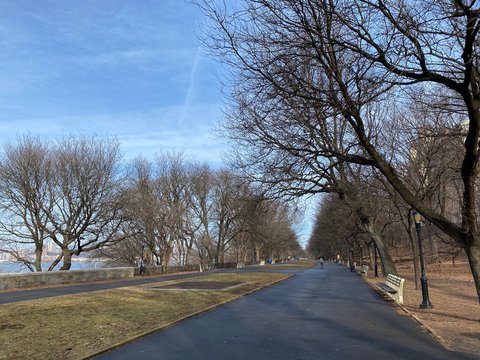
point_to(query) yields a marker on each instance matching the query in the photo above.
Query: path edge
(200, 312)
(434, 333)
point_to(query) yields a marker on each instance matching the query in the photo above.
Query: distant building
(52, 248)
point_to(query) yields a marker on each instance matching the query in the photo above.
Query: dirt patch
(11, 326)
(199, 285)
(455, 317)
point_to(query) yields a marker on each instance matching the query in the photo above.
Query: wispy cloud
(127, 69)
(141, 133)
(191, 85)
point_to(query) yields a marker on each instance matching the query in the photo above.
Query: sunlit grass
(300, 265)
(77, 326)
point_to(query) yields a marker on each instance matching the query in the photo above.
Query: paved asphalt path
(316, 314)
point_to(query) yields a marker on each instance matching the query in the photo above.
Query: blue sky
(132, 69)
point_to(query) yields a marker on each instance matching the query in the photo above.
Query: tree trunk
(67, 259)
(435, 258)
(382, 247)
(188, 252)
(257, 252)
(473, 254)
(220, 253)
(55, 262)
(38, 258)
(167, 255)
(371, 256)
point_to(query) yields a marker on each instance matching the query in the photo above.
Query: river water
(10, 267)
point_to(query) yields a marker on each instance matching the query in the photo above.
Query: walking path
(44, 292)
(317, 314)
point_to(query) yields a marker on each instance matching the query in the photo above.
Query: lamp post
(376, 263)
(426, 304)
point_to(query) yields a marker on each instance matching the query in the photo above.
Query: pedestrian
(321, 262)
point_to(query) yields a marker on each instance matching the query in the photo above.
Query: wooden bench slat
(388, 289)
(393, 286)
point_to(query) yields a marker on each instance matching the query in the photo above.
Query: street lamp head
(417, 217)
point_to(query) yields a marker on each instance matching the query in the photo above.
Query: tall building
(52, 248)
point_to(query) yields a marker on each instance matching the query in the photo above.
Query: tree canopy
(319, 83)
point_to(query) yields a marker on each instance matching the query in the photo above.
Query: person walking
(321, 262)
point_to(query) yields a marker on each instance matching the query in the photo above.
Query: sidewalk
(317, 314)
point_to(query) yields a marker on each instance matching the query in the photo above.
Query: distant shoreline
(14, 267)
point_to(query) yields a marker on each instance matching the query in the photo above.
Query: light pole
(376, 263)
(426, 304)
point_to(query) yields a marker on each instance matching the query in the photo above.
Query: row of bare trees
(372, 214)
(183, 212)
(321, 91)
(77, 193)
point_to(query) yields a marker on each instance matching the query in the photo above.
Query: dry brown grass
(455, 317)
(77, 326)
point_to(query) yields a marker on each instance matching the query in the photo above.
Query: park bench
(206, 267)
(393, 287)
(364, 270)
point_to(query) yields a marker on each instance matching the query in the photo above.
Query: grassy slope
(77, 326)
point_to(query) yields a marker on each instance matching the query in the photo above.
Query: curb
(163, 327)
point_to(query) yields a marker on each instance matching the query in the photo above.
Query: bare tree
(25, 172)
(202, 210)
(202, 185)
(85, 189)
(162, 219)
(68, 192)
(139, 205)
(149, 212)
(228, 192)
(300, 61)
(334, 229)
(265, 225)
(279, 238)
(173, 186)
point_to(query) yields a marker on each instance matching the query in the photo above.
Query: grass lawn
(303, 264)
(77, 326)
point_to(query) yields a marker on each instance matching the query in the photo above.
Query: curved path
(316, 314)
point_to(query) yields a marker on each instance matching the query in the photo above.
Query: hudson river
(6, 267)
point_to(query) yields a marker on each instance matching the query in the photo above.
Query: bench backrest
(394, 281)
